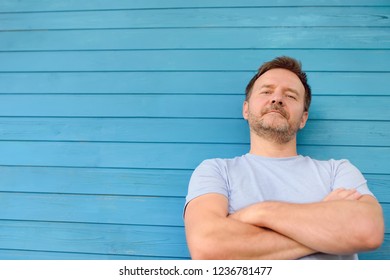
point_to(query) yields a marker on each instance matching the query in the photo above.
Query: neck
(268, 148)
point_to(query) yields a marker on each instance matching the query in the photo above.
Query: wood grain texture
(167, 155)
(178, 83)
(236, 60)
(198, 38)
(107, 106)
(196, 18)
(134, 210)
(71, 5)
(96, 181)
(178, 106)
(192, 130)
(106, 240)
(15, 254)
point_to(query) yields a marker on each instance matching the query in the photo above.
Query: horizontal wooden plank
(127, 129)
(180, 106)
(334, 132)
(326, 107)
(99, 181)
(198, 38)
(191, 60)
(135, 210)
(380, 186)
(108, 240)
(126, 82)
(200, 18)
(136, 182)
(13, 254)
(323, 83)
(71, 5)
(316, 132)
(167, 156)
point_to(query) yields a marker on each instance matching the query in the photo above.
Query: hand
(343, 194)
(247, 214)
(253, 214)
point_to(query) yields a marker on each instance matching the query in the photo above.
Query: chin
(276, 124)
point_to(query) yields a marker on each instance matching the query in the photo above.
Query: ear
(245, 110)
(304, 118)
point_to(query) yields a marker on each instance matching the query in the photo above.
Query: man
(272, 203)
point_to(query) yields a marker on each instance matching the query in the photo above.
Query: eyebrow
(268, 86)
(272, 86)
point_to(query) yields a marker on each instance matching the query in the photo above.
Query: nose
(278, 102)
(277, 99)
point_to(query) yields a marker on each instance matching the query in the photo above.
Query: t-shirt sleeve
(207, 178)
(348, 176)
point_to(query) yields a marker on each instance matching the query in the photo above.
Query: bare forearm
(335, 227)
(231, 239)
(213, 234)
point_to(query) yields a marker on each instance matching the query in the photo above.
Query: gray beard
(281, 134)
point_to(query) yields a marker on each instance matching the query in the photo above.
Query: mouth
(276, 111)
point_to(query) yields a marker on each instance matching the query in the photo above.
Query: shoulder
(330, 163)
(342, 165)
(336, 167)
(220, 163)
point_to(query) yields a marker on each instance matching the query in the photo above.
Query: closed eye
(291, 96)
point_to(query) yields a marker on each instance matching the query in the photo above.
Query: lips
(275, 111)
(281, 112)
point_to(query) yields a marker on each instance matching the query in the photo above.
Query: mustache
(275, 107)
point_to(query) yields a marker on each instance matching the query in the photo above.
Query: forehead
(279, 77)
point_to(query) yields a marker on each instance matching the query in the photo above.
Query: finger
(354, 196)
(346, 192)
(334, 195)
(342, 193)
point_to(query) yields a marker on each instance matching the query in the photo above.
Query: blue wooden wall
(107, 106)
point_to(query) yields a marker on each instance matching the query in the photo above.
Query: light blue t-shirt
(249, 179)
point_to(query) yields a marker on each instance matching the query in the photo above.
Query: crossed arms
(345, 222)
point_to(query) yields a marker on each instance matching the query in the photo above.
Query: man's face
(275, 108)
